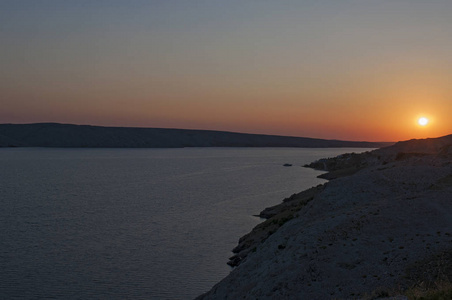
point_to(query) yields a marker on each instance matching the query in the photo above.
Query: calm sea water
(135, 223)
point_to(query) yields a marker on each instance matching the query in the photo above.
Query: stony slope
(67, 135)
(360, 233)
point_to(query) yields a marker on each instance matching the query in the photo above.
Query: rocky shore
(380, 227)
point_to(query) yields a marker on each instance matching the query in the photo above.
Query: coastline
(383, 217)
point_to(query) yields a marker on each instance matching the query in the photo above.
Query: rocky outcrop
(276, 216)
(345, 164)
(350, 163)
(364, 235)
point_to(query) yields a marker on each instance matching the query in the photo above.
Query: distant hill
(77, 136)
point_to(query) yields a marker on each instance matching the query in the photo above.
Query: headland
(381, 227)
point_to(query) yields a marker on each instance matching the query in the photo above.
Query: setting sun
(422, 121)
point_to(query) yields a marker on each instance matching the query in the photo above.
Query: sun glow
(422, 121)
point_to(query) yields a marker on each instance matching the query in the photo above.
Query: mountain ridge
(89, 136)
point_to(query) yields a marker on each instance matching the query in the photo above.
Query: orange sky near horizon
(350, 71)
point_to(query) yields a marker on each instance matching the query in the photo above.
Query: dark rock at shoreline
(276, 216)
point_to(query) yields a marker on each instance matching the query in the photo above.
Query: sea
(135, 223)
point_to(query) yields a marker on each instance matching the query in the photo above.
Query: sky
(339, 69)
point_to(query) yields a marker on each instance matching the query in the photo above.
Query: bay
(135, 223)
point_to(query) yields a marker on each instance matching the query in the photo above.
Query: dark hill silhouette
(427, 146)
(76, 136)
